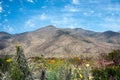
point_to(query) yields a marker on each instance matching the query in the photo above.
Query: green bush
(114, 56)
(14, 71)
(3, 64)
(108, 73)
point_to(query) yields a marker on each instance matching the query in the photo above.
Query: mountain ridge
(52, 40)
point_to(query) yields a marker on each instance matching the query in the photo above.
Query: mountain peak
(4, 33)
(50, 26)
(109, 34)
(112, 33)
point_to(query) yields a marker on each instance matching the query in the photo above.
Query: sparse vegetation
(76, 68)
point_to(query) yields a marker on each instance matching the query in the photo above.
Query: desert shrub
(16, 67)
(14, 70)
(22, 64)
(114, 56)
(4, 65)
(108, 73)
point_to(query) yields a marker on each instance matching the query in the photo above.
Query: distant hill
(51, 40)
(4, 37)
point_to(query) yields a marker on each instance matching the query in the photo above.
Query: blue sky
(17, 16)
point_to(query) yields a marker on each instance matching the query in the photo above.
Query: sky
(17, 16)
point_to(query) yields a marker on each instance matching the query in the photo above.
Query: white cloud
(71, 27)
(111, 23)
(85, 13)
(112, 7)
(95, 1)
(35, 21)
(10, 0)
(9, 12)
(75, 1)
(29, 24)
(44, 7)
(111, 26)
(91, 13)
(31, 1)
(70, 8)
(43, 16)
(112, 20)
(63, 20)
(6, 20)
(73, 10)
(8, 28)
(1, 9)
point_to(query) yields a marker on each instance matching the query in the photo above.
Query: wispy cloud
(29, 24)
(114, 8)
(10, 0)
(8, 28)
(89, 13)
(70, 8)
(95, 1)
(31, 1)
(43, 17)
(64, 20)
(112, 23)
(111, 26)
(35, 20)
(75, 1)
(1, 9)
(112, 19)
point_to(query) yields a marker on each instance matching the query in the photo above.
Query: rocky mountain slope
(51, 40)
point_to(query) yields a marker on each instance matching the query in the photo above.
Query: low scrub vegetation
(77, 68)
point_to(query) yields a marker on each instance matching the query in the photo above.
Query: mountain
(110, 37)
(4, 40)
(51, 41)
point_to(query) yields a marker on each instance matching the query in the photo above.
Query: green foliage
(108, 73)
(14, 70)
(114, 56)
(22, 64)
(15, 67)
(3, 64)
(52, 75)
(77, 68)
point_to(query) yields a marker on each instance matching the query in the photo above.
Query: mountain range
(52, 41)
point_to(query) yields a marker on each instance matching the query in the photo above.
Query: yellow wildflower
(51, 61)
(77, 59)
(80, 75)
(8, 60)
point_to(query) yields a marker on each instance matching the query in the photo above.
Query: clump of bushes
(114, 56)
(110, 71)
(15, 68)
